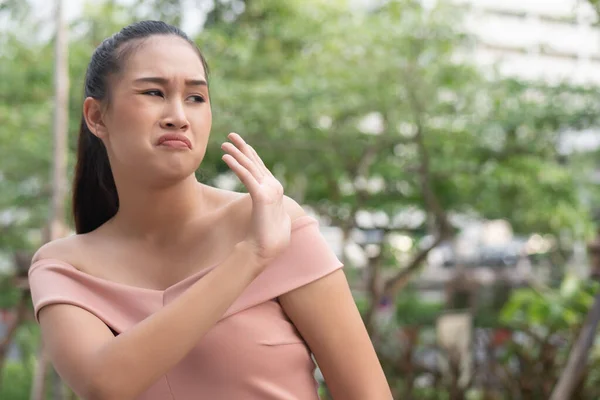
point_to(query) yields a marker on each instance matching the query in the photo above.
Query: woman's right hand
(270, 226)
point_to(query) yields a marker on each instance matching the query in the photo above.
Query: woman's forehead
(164, 56)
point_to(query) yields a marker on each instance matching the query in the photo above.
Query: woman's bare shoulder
(241, 203)
(223, 197)
(292, 207)
(68, 249)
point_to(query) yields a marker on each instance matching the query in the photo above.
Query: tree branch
(21, 313)
(398, 281)
(432, 203)
(430, 198)
(578, 356)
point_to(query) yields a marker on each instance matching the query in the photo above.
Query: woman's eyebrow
(164, 81)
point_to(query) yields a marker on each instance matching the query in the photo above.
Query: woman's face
(159, 119)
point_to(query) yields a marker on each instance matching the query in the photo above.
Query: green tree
(299, 79)
(446, 142)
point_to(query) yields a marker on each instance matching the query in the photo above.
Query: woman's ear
(92, 112)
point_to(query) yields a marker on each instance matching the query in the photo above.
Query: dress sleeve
(51, 283)
(307, 259)
(56, 282)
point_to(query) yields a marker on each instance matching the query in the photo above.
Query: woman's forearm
(128, 365)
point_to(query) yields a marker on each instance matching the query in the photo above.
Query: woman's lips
(175, 143)
(175, 140)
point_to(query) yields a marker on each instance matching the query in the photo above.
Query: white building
(550, 40)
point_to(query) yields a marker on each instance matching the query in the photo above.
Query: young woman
(172, 289)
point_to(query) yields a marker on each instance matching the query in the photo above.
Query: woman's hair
(95, 198)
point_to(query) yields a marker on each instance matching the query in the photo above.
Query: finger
(260, 162)
(244, 160)
(236, 138)
(241, 144)
(249, 151)
(242, 173)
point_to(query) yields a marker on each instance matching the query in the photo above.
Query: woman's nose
(175, 117)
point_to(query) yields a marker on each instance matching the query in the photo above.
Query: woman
(172, 289)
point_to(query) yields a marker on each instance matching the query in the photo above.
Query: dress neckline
(107, 282)
(296, 224)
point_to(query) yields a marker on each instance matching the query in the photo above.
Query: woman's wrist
(245, 252)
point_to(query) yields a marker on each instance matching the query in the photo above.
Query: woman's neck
(155, 214)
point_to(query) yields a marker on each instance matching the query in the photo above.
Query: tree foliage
(378, 110)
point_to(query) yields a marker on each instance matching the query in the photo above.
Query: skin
(166, 217)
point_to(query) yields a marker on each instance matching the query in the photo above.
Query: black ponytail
(95, 198)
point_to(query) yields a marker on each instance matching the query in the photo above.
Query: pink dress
(253, 353)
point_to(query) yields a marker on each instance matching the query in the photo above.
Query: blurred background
(449, 149)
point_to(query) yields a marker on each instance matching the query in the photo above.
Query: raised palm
(270, 226)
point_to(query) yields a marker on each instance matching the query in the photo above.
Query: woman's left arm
(327, 317)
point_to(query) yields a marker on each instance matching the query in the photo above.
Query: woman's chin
(175, 173)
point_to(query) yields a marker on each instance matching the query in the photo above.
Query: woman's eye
(197, 99)
(154, 93)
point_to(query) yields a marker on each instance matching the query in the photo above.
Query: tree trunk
(578, 356)
(61, 120)
(373, 287)
(21, 265)
(39, 375)
(21, 313)
(56, 227)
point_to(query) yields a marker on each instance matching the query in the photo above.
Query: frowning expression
(159, 116)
